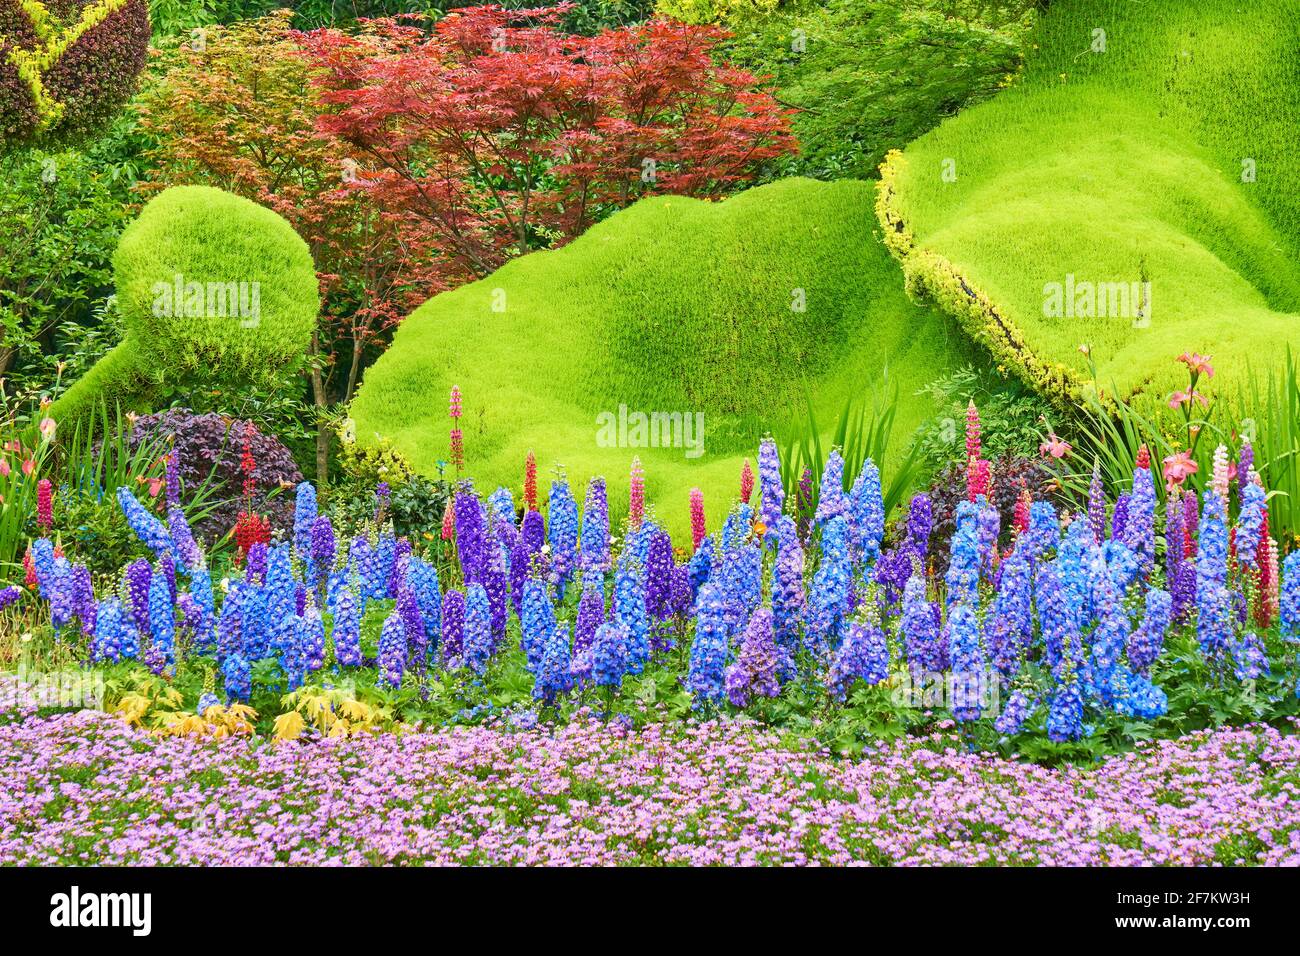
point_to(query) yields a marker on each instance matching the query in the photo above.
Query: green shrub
(673, 306)
(868, 76)
(1138, 149)
(213, 290)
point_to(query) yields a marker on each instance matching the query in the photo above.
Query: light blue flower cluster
(392, 651)
(709, 649)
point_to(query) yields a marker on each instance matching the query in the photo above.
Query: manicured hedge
(247, 304)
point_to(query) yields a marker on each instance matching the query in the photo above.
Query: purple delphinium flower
(658, 576)
(9, 595)
(255, 563)
(594, 546)
(138, 576)
(183, 543)
(496, 583)
(1014, 714)
(471, 533)
(920, 522)
(864, 654)
(754, 672)
(324, 547)
(591, 615)
(787, 587)
(520, 560)
(1009, 625)
(453, 626)
(919, 627)
(803, 504)
(1097, 506)
(1119, 519)
(417, 640)
(771, 491)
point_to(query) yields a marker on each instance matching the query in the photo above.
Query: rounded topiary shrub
(212, 288)
(66, 66)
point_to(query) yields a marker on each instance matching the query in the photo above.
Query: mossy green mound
(1169, 157)
(209, 286)
(734, 311)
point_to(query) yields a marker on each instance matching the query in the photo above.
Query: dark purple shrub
(86, 85)
(1010, 474)
(202, 440)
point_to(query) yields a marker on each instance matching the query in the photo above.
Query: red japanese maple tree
(496, 133)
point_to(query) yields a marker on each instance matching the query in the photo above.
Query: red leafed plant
(496, 132)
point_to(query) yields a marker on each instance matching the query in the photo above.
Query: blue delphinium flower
(1110, 636)
(147, 528)
(392, 651)
(536, 622)
(477, 648)
(1009, 625)
(496, 582)
(347, 629)
(423, 578)
(1250, 523)
(387, 552)
(304, 516)
(230, 625)
(281, 596)
(594, 546)
(1073, 559)
(710, 647)
(754, 672)
(963, 562)
(1213, 610)
(920, 629)
(1065, 714)
(1140, 526)
(501, 504)
(207, 700)
(968, 675)
(162, 617)
(831, 502)
(829, 598)
(1145, 643)
(237, 676)
(1248, 657)
(1014, 714)
(136, 578)
(787, 588)
(201, 591)
(563, 534)
(254, 622)
(988, 525)
(771, 490)
(110, 626)
(1289, 598)
(183, 544)
(554, 677)
(701, 566)
(609, 655)
(313, 637)
(1044, 534)
(629, 611)
(864, 654)
(867, 511)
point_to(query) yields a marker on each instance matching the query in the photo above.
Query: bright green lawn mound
(674, 306)
(1120, 166)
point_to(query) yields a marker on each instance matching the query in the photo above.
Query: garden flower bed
(87, 788)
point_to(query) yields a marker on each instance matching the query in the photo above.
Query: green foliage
(59, 223)
(213, 290)
(1169, 158)
(863, 431)
(673, 306)
(868, 76)
(1011, 417)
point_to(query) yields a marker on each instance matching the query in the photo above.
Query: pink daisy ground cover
(78, 788)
